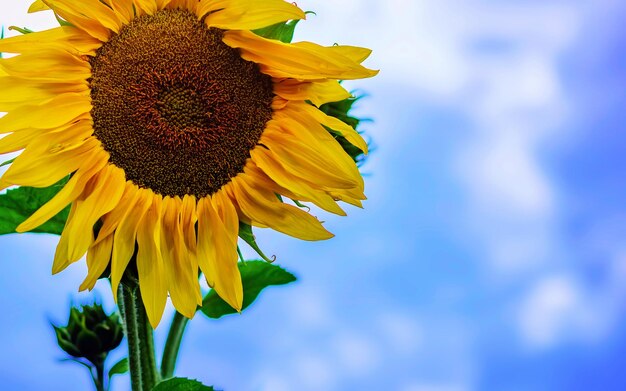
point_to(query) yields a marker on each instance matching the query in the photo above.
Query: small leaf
(181, 384)
(255, 276)
(119, 367)
(16, 205)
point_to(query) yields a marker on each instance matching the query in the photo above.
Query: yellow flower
(175, 122)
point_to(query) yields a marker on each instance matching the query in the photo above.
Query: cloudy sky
(489, 255)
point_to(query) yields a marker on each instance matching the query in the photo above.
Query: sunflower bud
(90, 333)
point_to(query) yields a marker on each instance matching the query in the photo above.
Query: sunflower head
(175, 123)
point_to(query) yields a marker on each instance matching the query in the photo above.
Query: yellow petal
(100, 196)
(63, 38)
(37, 6)
(182, 276)
(227, 212)
(348, 199)
(247, 14)
(111, 220)
(162, 4)
(93, 204)
(18, 140)
(263, 207)
(146, 6)
(318, 92)
(42, 140)
(354, 53)
(305, 161)
(189, 218)
(51, 114)
(152, 281)
(336, 124)
(183, 4)
(125, 236)
(92, 10)
(98, 258)
(72, 189)
(78, 14)
(49, 168)
(48, 65)
(303, 190)
(60, 256)
(217, 253)
(16, 92)
(123, 10)
(304, 62)
(295, 124)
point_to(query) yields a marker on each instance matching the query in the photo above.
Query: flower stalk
(172, 345)
(142, 364)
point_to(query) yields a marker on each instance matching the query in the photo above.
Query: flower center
(176, 108)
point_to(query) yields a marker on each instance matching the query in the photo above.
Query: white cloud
(357, 354)
(552, 307)
(495, 64)
(401, 333)
(310, 308)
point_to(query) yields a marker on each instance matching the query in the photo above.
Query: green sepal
(62, 22)
(64, 341)
(119, 368)
(255, 276)
(245, 233)
(10, 160)
(17, 205)
(181, 384)
(281, 31)
(340, 110)
(21, 30)
(300, 204)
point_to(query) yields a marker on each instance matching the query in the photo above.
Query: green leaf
(281, 31)
(119, 367)
(245, 233)
(16, 205)
(255, 276)
(181, 384)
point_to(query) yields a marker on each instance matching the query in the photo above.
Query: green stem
(172, 345)
(141, 361)
(99, 380)
(150, 374)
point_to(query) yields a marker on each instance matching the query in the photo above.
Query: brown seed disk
(177, 109)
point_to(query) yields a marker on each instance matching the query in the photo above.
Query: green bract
(90, 333)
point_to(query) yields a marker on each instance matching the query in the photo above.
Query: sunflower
(174, 123)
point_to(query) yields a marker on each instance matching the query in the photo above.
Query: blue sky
(489, 254)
